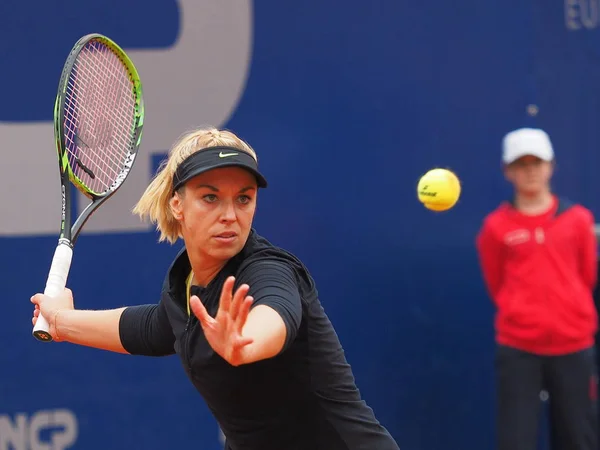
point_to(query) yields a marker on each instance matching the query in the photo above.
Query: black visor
(213, 158)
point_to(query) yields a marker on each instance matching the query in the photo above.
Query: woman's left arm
(259, 320)
(276, 312)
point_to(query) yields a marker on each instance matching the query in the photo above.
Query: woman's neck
(204, 270)
(533, 204)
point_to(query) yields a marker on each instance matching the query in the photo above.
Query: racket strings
(112, 96)
(98, 116)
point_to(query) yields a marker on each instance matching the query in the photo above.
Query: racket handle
(57, 280)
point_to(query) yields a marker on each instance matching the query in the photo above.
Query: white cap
(526, 141)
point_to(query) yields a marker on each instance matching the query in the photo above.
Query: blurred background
(347, 104)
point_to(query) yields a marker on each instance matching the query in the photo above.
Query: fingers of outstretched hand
(238, 300)
(242, 316)
(200, 311)
(226, 294)
(242, 341)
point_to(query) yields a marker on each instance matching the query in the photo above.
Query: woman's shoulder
(260, 252)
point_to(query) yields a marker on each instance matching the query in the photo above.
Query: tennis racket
(98, 120)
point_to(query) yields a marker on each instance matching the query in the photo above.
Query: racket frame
(68, 235)
(67, 174)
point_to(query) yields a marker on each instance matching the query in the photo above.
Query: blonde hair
(154, 202)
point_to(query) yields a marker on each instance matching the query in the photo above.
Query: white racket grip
(57, 280)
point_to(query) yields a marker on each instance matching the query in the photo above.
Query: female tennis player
(241, 313)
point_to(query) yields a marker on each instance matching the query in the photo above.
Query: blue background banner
(347, 106)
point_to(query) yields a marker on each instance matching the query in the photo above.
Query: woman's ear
(176, 205)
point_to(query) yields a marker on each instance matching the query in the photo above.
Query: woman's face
(215, 212)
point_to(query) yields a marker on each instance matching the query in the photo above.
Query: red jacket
(540, 272)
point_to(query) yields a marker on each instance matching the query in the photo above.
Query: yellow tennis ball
(438, 189)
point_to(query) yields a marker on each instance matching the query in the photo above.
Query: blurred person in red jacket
(539, 262)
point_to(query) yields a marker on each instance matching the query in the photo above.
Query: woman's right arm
(97, 329)
(138, 330)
